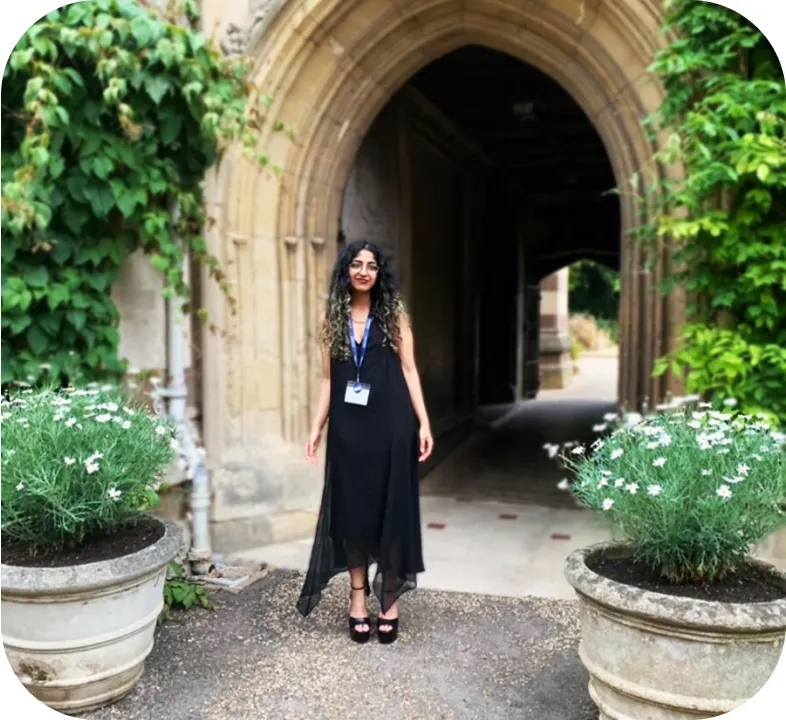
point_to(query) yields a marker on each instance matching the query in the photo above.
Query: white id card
(357, 393)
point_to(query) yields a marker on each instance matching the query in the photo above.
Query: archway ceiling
(536, 133)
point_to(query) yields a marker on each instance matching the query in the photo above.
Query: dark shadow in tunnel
(479, 178)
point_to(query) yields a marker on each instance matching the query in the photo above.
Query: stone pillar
(556, 364)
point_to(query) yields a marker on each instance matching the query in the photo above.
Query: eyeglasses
(372, 267)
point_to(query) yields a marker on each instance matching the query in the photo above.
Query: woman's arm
(411, 375)
(323, 407)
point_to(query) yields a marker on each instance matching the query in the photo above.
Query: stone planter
(77, 636)
(653, 656)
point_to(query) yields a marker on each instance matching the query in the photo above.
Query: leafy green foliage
(112, 112)
(690, 490)
(594, 290)
(76, 463)
(179, 592)
(725, 112)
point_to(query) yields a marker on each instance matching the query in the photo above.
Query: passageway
(481, 177)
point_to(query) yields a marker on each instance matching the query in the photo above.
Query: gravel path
(457, 656)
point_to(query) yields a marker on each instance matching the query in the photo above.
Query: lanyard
(358, 358)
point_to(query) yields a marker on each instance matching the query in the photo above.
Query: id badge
(357, 393)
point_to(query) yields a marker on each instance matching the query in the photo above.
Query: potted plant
(83, 564)
(678, 620)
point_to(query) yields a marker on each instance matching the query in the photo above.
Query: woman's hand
(426, 443)
(312, 445)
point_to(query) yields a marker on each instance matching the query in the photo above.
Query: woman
(371, 392)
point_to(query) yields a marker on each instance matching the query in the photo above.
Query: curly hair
(387, 306)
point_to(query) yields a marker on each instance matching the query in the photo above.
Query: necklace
(359, 322)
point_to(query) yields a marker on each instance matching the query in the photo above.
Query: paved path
(494, 520)
(459, 656)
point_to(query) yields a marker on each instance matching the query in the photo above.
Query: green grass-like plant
(78, 462)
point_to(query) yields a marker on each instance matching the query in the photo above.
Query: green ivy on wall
(112, 112)
(725, 115)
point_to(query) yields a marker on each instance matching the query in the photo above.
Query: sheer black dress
(370, 510)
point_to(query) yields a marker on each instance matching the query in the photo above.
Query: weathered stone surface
(637, 644)
(77, 637)
(331, 66)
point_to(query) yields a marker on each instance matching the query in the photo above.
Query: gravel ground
(457, 656)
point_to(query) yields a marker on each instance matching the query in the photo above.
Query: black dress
(370, 509)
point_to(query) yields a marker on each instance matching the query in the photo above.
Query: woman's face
(363, 271)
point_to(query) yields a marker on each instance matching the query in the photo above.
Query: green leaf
(156, 87)
(37, 340)
(170, 127)
(77, 318)
(141, 30)
(101, 199)
(17, 325)
(57, 295)
(37, 277)
(56, 166)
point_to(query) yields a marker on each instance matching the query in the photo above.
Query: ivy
(725, 116)
(112, 112)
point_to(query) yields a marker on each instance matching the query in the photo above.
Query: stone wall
(372, 199)
(556, 364)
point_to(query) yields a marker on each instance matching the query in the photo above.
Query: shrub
(78, 462)
(112, 113)
(690, 490)
(722, 216)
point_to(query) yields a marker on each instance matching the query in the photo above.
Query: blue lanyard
(359, 358)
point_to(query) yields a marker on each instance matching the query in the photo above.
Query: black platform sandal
(360, 636)
(386, 637)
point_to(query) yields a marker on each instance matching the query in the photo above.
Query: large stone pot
(653, 656)
(77, 636)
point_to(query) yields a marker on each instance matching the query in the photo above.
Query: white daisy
(562, 484)
(608, 503)
(618, 453)
(114, 493)
(603, 482)
(160, 430)
(91, 468)
(733, 480)
(69, 460)
(632, 488)
(743, 469)
(654, 490)
(659, 462)
(20, 486)
(724, 492)
(103, 418)
(599, 428)
(619, 482)
(706, 472)
(578, 450)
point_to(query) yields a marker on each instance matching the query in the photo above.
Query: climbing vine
(112, 112)
(725, 114)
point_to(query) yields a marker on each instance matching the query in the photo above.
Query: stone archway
(331, 65)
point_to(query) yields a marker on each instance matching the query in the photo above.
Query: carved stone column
(556, 365)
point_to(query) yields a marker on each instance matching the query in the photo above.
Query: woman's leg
(389, 589)
(357, 603)
(357, 561)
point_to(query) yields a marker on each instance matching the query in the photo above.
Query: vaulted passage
(476, 141)
(480, 178)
